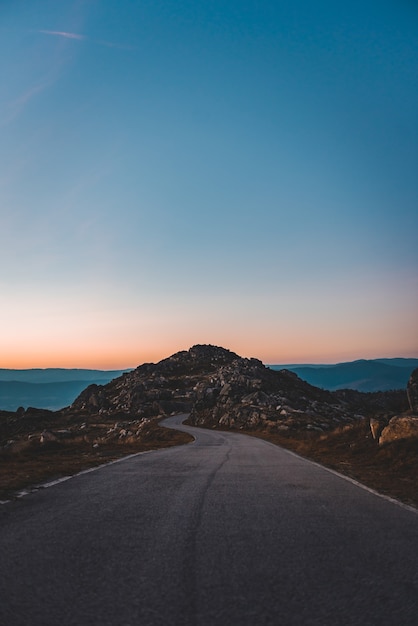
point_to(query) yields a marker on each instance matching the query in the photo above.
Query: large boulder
(403, 427)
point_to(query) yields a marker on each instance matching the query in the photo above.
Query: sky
(239, 173)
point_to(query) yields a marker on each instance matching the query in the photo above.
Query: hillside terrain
(51, 388)
(363, 375)
(59, 375)
(346, 428)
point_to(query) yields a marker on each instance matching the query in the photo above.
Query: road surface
(228, 530)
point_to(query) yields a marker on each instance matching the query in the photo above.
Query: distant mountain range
(55, 388)
(52, 388)
(362, 375)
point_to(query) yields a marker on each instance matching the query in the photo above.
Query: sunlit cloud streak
(77, 36)
(60, 33)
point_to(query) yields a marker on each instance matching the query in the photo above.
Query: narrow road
(228, 530)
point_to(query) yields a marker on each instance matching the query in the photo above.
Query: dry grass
(30, 464)
(351, 450)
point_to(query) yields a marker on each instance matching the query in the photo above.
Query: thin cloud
(99, 42)
(61, 33)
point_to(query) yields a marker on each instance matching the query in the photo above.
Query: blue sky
(240, 173)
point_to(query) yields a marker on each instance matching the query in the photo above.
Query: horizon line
(286, 364)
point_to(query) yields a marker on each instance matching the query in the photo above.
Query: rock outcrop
(246, 394)
(219, 388)
(402, 427)
(155, 389)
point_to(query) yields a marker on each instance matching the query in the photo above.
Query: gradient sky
(241, 173)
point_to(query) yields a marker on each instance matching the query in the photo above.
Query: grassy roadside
(391, 470)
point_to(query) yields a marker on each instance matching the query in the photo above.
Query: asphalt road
(228, 530)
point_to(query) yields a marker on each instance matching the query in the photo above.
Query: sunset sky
(240, 173)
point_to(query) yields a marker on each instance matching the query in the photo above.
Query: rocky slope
(155, 389)
(220, 388)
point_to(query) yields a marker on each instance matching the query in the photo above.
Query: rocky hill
(155, 388)
(220, 388)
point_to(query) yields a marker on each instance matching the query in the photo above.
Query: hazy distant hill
(51, 388)
(58, 375)
(363, 375)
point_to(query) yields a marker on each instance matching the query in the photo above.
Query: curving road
(228, 530)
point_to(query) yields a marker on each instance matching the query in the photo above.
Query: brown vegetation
(391, 469)
(28, 462)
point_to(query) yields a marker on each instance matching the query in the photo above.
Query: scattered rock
(47, 436)
(376, 427)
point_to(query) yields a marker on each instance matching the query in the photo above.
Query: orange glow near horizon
(112, 358)
(81, 334)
